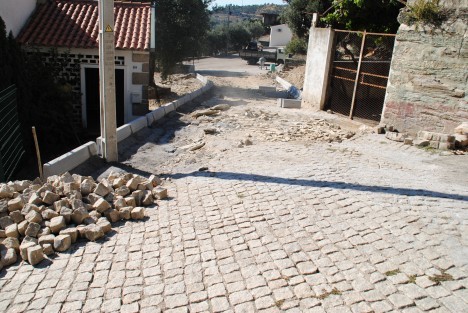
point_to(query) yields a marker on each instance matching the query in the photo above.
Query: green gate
(11, 143)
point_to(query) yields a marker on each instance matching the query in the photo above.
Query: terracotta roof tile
(74, 24)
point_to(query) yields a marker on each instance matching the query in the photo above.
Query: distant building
(270, 18)
(280, 35)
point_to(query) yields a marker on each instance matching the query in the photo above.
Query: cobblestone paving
(327, 234)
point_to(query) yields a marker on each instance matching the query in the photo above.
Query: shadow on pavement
(320, 184)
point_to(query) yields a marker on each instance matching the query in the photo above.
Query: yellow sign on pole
(109, 29)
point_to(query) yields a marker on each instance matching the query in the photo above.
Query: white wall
(280, 35)
(319, 57)
(15, 13)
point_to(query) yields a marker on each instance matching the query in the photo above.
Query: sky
(246, 2)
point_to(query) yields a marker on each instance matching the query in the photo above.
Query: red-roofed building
(71, 27)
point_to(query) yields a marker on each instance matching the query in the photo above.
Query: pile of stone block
(458, 140)
(435, 140)
(38, 219)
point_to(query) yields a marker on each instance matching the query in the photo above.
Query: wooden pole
(38, 154)
(358, 72)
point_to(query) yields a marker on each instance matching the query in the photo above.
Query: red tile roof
(74, 24)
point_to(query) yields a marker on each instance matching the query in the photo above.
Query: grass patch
(392, 273)
(279, 303)
(441, 277)
(412, 279)
(326, 294)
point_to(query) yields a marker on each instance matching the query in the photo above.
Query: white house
(71, 27)
(280, 35)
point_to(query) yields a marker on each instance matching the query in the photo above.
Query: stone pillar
(319, 58)
(427, 85)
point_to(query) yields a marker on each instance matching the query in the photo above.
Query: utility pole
(228, 35)
(107, 81)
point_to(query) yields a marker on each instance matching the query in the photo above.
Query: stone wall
(427, 88)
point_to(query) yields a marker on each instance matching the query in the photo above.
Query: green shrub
(426, 12)
(297, 46)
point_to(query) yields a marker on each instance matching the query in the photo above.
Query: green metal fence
(11, 142)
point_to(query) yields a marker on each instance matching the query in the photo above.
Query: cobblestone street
(362, 225)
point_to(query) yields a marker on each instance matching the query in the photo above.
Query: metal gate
(359, 73)
(11, 142)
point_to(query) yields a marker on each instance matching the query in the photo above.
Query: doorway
(92, 98)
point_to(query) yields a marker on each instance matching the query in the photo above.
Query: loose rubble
(38, 219)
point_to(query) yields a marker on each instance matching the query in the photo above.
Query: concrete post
(319, 59)
(107, 81)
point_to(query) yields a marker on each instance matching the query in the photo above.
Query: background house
(280, 35)
(71, 26)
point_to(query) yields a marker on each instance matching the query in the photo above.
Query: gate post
(319, 57)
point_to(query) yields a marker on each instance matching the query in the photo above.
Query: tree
(370, 15)
(255, 28)
(298, 15)
(181, 29)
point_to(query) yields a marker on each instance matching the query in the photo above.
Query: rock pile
(38, 219)
(441, 141)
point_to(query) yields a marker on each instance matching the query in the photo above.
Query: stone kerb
(72, 159)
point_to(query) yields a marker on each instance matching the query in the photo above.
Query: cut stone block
(35, 199)
(46, 239)
(50, 197)
(48, 249)
(126, 212)
(72, 232)
(22, 227)
(24, 249)
(112, 215)
(33, 217)
(12, 231)
(6, 221)
(159, 192)
(8, 256)
(138, 195)
(17, 217)
(147, 198)
(62, 243)
(57, 224)
(93, 232)
(15, 204)
(48, 214)
(79, 215)
(11, 242)
(101, 205)
(130, 201)
(123, 191)
(35, 255)
(104, 224)
(101, 190)
(138, 213)
(32, 230)
(66, 213)
(289, 103)
(5, 192)
(154, 180)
